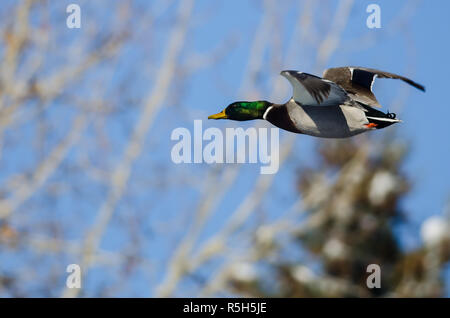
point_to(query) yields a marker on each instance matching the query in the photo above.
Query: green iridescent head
(243, 111)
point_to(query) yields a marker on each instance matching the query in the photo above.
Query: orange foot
(371, 125)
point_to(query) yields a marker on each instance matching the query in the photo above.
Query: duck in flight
(340, 104)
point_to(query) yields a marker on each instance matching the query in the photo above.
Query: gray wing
(358, 82)
(312, 90)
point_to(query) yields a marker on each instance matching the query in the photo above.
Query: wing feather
(358, 82)
(312, 90)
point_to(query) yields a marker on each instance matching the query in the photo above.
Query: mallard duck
(339, 105)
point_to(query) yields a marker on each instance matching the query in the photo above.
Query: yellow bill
(220, 115)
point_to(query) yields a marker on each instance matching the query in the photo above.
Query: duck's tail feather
(389, 120)
(379, 118)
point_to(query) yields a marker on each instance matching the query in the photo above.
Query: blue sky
(411, 42)
(415, 48)
(418, 49)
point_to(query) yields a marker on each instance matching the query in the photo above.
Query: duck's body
(321, 107)
(325, 121)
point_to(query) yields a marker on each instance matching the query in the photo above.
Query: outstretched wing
(313, 90)
(358, 82)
